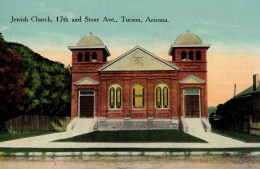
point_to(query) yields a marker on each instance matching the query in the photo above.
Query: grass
(134, 136)
(239, 136)
(18, 135)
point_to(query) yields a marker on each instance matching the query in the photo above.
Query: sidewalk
(45, 141)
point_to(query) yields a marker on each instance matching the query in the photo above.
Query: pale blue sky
(232, 24)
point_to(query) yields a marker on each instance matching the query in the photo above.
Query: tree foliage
(32, 84)
(12, 93)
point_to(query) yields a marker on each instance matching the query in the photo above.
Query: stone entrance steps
(135, 124)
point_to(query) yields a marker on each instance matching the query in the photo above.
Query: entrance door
(86, 103)
(192, 103)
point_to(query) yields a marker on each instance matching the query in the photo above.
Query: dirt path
(143, 162)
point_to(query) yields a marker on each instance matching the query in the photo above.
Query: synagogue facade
(138, 84)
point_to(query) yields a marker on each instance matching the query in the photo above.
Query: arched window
(94, 57)
(165, 97)
(158, 97)
(191, 57)
(115, 97)
(162, 96)
(87, 57)
(198, 55)
(104, 59)
(112, 98)
(183, 56)
(79, 57)
(138, 96)
(118, 97)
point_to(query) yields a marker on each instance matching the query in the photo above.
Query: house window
(79, 57)
(94, 57)
(87, 57)
(191, 57)
(138, 96)
(198, 55)
(115, 97)
(183, 56)
(162, 96)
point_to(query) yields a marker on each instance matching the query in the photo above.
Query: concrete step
(81, 125)
(194, 125)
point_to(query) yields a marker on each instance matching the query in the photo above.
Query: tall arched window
(118, 97)
(138, 96)
(191, 57)
(94, 57)
(115, 97)
(162, 96)
(87, 57)
(198, 55)
(183, 56)
(79, 57)
(158, 97)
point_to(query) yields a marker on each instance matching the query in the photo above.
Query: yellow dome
(90, 41)
(188, 38)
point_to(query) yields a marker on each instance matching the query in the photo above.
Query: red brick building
(139, 84)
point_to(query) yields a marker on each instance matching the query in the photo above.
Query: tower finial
(90, 33)
(187, 31)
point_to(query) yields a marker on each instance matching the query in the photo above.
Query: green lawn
(239, 136)
(13, 136)
(135, 136)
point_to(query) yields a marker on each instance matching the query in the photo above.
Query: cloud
(215, 23)
(55, 11)
(2, 28)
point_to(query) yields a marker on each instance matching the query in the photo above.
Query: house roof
(247, 92)
(138, 58)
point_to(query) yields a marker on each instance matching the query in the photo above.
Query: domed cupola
(89, 49)
(90, 41)
(188, 38)
(188, 47)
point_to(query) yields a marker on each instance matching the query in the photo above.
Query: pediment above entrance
(86, 81)
(138, 59)
(192, 79)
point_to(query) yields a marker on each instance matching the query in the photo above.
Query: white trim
(192, 77)
(86, 78)
(187, 46)
(145, 51)
(184, 100)
(93, 104)
(95, 47)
